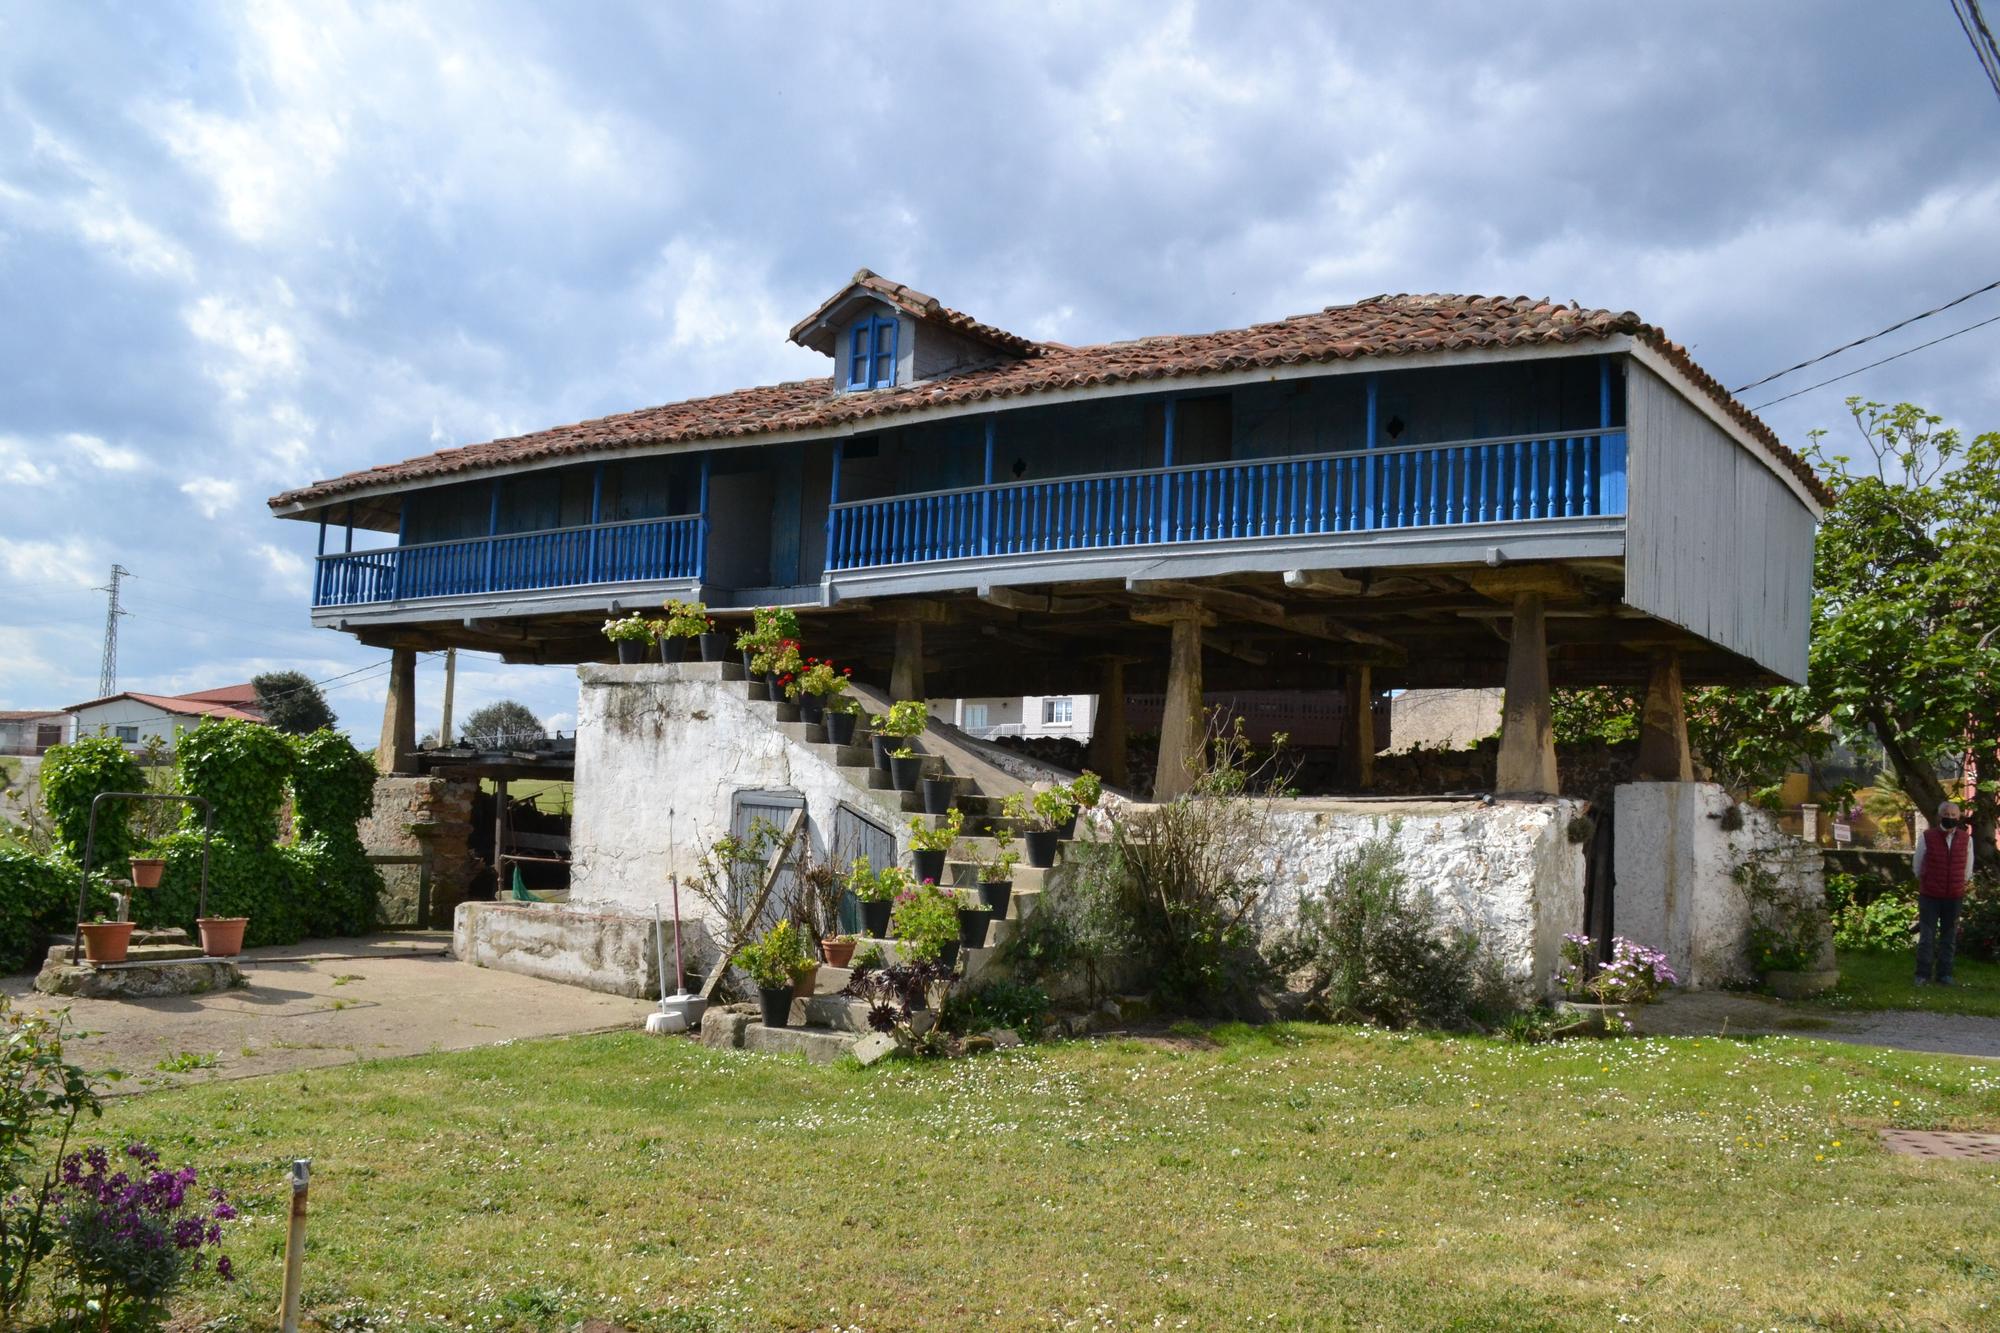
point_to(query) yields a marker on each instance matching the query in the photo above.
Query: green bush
(998, 1004)
(36, 899)
(1886, 923)
(240, 768)
(333, 789)
(1078, 926)
(1979, 922)
(72, 776)
(1374, 950)
(262, 881)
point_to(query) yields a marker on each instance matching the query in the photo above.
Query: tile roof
(1378, 327)
(242, 696)
(28, 714)
(184, 705)
(916, 305)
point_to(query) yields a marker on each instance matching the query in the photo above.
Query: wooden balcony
(640, 551)
(1516, 480)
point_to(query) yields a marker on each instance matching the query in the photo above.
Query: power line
(1995, 319)
(1973, 24)
(1848, 347)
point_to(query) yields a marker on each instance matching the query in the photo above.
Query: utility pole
(107, 671)
(450, 679)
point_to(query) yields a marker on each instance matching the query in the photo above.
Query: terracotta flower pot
(106, 941)
(838, 953)
(222, 936)
(146, 871)
(803, 983)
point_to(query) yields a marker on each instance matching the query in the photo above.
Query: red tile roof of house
(242, 696)
(28, 714)
(1378, 327)
(202, 704)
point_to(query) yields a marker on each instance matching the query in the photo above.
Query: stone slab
(139, 953)
(1942, 1143)
(722, 1030)
(874, 1048)
(817, 1045)
(139, 981)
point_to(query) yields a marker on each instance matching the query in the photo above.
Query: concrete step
(843, 756)
(869, 779)
(820, 1046)
(805, 733)
(139, 953)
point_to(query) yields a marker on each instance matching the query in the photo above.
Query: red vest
(1944, 862)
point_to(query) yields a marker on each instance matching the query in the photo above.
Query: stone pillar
(1108, 736)
(1527, 761)
(906, 676)
(1809, 822)
(1182, 726)
(1357, 739)
(396, 752)
(1663, 736)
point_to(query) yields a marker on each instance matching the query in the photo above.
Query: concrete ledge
(815, 1044)
(599, 951)
(139, 981)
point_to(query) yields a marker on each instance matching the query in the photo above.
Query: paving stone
(1004, 1038)
(1942, 1143)
(874, 1047)
(723, 1029)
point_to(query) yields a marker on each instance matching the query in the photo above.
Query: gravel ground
(1727, 1012)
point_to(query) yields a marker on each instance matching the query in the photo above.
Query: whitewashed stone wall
(658, 739)
(1675, 867)
(1504, 869)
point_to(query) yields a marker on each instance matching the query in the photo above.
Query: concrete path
(1708, 1013)
(326, 1002)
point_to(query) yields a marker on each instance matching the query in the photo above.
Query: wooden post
(1357, 739)
(501, 887)
(1527, 762)
(450, 685)
(906, 676)
(295, 1249)
(1663, 736)
(1108, 735)
(395, 753)
(1182, 725)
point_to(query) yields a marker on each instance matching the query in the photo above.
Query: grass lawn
(1290, 1178)
(1886, 981)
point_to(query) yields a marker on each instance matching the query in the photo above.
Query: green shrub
(1078, 926)
(1018, 1005)
(1886, 923)
(267, 883)
(36, 899)
(1979, 922)
(1374, 950)
(72, 776)
(240, 768)
(333, 790)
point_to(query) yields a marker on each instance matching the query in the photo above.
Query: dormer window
(871, 354)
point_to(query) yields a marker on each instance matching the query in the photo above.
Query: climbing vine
(333, 790)
(241, 768)
(72, 777)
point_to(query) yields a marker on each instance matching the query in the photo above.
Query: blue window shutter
(886, 331)
(858, 358)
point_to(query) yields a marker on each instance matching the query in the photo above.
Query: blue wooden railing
(633, 552)
(1476, 481)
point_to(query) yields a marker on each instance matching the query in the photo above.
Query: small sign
(1843, 833)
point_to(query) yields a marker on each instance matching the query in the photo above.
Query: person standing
(1943, 862)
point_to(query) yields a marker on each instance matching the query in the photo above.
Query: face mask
(1947, 823)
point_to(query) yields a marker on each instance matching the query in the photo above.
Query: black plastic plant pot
(906, 773)
(749, 670)
(772, 688)
(1042, 847)
(714, 647)
(881, 745)
(672, 650)
(875, 918)
(948, 956)
(939, 794)
(631, 652)
(995, 894)
(777, 1005)
(928, 866)
(1067, 829)
(811, 707)
(972, 923)
(840, 728)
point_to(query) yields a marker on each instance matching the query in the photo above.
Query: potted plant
(769, 627)
(221, 936)
(838, 950)
(925, 923)
(939, 792)
(683, 621)
(974, 916)
(631, 634)
(147, 870)
(996, 877)
(816, 685)
(773, 963)
(930, 846)
(1084, 793)
(906, 768)
(843, 712)
(1042, 816)
(876, 891)
(905, 721)
(105, 940)
(1600, 994)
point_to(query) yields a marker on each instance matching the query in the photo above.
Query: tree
(502, 724)
(291, 703)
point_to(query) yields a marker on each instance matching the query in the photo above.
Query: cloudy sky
(243, 247)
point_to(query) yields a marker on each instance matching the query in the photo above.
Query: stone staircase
(826, 1024)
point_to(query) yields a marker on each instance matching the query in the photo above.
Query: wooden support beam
(1324, 580)
(1357, 749)
(1527, 761)
(1260, 611)
(916, 611)
(1173, 613)
(1013, 599)
(1236, 648)
(906, 675)
(1664, 755)
(1182, 725)
(1108, 735)
(1508, 582)
(397, 750)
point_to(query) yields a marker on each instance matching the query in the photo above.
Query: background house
(1067, 716)
(133, 718)
(31, 731)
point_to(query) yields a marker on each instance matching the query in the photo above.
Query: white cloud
(211, 495)
(285, 571)
(109, 457)
(70, 563)
(255, 347)
(20, 467)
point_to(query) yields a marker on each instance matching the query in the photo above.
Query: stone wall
(659, 743)
(410, 815)
(599, 951)
(1676, 891)
(1504, 869)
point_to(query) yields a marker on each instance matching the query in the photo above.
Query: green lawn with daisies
(1295, 1177)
